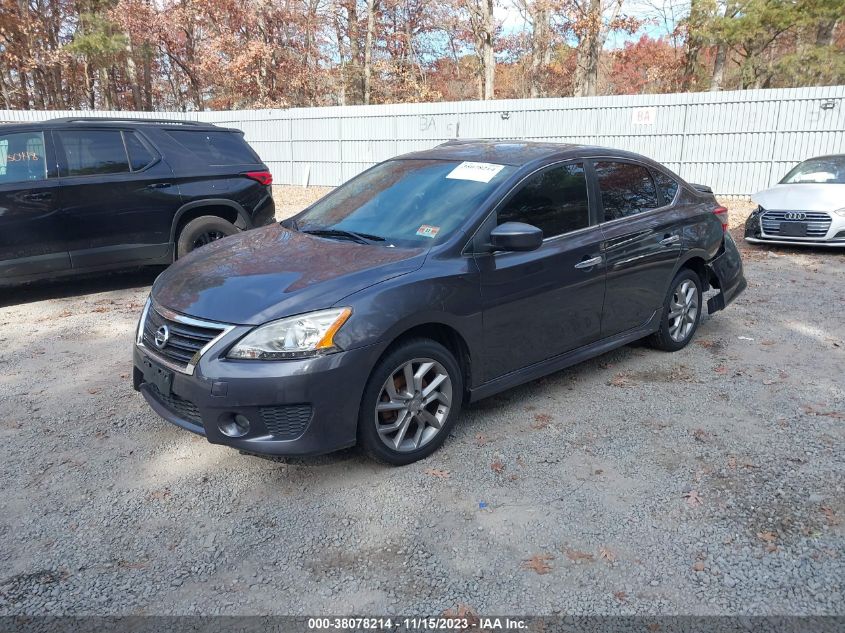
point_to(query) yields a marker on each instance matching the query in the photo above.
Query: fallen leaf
(693, 499)
(621, 596)
(158, 495)
(539, 563)
(606, 554)
(619, 380)
(732, 463)
(437, 472)
(768, 536)
(698, 565)
(463, 612)
(541, 421)
(497, 466)
(830, 515)
(480, 440)
(720, 369)
(700, 435)
(706, 343)
(575, 555)
(767, 341)
(92, 391)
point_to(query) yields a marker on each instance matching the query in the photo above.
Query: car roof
(107, 122)
(516, 152)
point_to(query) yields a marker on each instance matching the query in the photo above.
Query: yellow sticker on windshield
(428, 231)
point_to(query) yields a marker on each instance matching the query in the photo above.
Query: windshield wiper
(360, 238)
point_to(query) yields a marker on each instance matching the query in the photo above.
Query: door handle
(669, 240)
(589, 263)
(158, 185)
(37, 196)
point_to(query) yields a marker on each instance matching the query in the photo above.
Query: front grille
(817, 222)
(286, 422)
(185, 409)
(185, 340)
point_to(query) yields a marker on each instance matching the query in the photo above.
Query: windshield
(827, 170)
(409, 202)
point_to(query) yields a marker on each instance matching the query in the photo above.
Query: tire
(380, 433)
(202, 230)
(677, 331)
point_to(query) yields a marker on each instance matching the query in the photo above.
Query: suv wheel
(681, 313)
(410, 403)
(201, 231)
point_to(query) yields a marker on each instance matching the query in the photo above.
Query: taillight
(264, 177)
(722, 214)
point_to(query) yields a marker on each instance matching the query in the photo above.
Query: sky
(651, 11)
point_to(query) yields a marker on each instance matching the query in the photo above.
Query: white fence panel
(737, 142)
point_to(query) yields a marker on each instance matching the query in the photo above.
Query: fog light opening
(236, 426)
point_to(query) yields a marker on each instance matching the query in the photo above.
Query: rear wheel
(201, 231)
(410, 403)
(681, 313)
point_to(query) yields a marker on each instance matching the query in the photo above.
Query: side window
(626, 189)
(667, 185)
(555, 200)
(139, 155)
(90, 152)
(22, 157)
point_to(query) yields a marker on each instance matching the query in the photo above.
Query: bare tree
(483, 27)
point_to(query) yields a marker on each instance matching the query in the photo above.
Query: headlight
(840, 211)
(298, 336)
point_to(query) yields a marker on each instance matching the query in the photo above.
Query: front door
(642, 243)
(545, 302)
(119, 197)
(31, 237)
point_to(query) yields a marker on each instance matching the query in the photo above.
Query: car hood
(803, 197)
(272, 272)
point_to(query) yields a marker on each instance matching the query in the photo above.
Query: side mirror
(516, 236)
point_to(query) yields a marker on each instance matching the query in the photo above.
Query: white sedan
(806, 207)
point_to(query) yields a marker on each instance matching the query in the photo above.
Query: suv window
(22, 157)
(139, 155)
(216, 148)
(626, 189)
(90, 152)
(555, 200)
(668, 186)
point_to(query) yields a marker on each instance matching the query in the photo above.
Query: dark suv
(80, 195)
(428, 282)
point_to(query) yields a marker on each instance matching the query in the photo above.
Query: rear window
(216, 148)
(22, 157)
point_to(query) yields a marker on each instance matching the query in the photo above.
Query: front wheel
(681, 313)
(410, 403)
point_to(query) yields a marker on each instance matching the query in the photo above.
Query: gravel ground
(709, 481)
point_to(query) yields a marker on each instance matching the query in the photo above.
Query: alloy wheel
(683, 310)
(413, 404)
(207, 238)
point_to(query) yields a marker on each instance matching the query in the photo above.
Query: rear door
(118, 199)
(31, 237)
(545, 302)
(642, 242)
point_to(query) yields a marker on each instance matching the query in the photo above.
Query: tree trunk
(589, 51)
(148, 80)
(354, 53)
(372, 8)
(540, 49)
(132, 74)
(825, 31)
(488, 60)
(719, 68)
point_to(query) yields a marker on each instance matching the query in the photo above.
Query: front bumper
(834, 236)
(298, 407)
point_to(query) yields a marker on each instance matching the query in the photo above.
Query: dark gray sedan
(429, 281)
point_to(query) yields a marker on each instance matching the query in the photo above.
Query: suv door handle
(158, 185)
(589, 263)
(668, 240)
(37, 196)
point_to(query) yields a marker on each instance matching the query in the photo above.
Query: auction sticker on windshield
(479, 172)
(427, 230)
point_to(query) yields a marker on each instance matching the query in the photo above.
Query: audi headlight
(300, 336)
